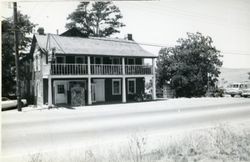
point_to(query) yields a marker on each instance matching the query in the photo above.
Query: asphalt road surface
(40, 129)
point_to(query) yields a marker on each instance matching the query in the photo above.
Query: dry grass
(222, 143)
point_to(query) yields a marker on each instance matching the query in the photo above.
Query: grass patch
(221, 143)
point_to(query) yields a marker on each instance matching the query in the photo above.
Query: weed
(221, 143)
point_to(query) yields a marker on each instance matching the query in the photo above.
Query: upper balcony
(100, 69)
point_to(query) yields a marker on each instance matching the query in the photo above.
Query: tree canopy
(8, 56)
(190, 66)
(99, 19)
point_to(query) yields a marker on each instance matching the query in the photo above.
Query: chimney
(40, 31)
(130, 37)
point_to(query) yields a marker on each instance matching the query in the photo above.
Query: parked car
(235, 89)
(9, 104)
(216, 92)
(246, 90)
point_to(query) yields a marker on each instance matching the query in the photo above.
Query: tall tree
(191, 66)
(8, 57)
(99, 19)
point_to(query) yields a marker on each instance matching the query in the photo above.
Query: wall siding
(108, 91)
(68, 91)
(140, 88)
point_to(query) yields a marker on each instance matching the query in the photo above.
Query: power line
(244, 53)
(197, 16)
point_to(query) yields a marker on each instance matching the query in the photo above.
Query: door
(93, 92)
(61, 93)
(99, 90)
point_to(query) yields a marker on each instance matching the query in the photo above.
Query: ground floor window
(131, 86)
(116, 86)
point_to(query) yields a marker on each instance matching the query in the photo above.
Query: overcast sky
(163, 22)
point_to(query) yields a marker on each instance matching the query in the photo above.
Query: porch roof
(92, 46)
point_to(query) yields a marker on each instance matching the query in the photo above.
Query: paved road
(40, 130)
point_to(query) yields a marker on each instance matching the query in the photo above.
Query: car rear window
(235, 86)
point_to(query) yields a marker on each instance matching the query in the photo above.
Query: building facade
(72, 70)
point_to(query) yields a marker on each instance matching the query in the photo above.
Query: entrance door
(61, 93)
(99, 90)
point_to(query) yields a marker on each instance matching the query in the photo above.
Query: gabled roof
(91, 46)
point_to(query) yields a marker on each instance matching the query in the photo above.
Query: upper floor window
(39, 63)
(60, 59)
(98, 60)
(36, 63)
(131, 61)
(116, 60)
(80, 60)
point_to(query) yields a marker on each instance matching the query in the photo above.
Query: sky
(162, 22)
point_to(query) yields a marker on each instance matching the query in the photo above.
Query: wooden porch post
(50, 53)
(89, 83)
(123, 82)
(49, 92)
(153, 80)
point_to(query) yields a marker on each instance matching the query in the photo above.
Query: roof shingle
(92, 46)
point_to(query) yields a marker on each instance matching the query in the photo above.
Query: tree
(101, 19)
(191, 66)
(8, 55)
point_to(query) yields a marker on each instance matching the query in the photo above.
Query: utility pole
(19, 108)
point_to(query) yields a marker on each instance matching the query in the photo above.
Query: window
(131, 61)
(80, 60)
(235, 85)
(131, 86)
(36, 63)
(116, 60)
(60, 89)
(60, 59)
(98, 60)
(116, 87)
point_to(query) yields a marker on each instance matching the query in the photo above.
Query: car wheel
(232, 95)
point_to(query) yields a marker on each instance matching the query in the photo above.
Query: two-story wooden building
(74, 70)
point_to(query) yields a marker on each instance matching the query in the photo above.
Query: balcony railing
(138, 69)
(106, 69)
(69, 69)
(99, 69)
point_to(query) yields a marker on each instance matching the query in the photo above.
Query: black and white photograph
(125, 80)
